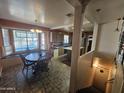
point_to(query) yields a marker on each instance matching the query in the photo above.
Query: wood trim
(1, 43)
(14, 24)
(61, 31)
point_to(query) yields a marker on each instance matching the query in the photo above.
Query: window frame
(41, 38)
(8, 45)
(67, 41)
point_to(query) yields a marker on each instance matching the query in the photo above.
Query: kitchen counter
(70, 48)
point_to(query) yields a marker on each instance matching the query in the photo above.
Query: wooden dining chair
(44, 60)
(50, 55)
(27, 64)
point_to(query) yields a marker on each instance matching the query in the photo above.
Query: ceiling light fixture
(98, 10)
(69, 15)
(36, 30)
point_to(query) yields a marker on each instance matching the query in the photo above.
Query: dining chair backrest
(49, 54)
(23, 59)
(51, 50)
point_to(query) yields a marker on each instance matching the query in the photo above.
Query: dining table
(36, 56)
(40, 59)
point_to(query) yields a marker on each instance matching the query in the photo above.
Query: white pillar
(75, 47)
(95, 32)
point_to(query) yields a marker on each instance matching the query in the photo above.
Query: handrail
(87, 53)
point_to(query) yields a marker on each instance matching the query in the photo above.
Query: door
(100, 78)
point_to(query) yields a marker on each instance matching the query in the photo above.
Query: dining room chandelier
(36, 30)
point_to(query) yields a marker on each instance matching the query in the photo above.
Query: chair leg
(23, 68)
(51, 62)
(33, 68)
(27, 71)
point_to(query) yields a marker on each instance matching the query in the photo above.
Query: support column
(75, 47)
(95, 32)
(78, 18)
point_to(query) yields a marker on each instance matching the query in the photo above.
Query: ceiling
(53, 13)
(86, 27)
(48, 13)
(110, 10)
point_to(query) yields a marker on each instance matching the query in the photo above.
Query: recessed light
(98, 10)
(69, 15)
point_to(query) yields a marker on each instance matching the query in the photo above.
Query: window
(66, 39)
(32, 39)
(24, 40)
(42, 40)
(20, 40)
(6, 42)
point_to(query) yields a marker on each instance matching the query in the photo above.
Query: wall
(108, 38)
(95, 32)
(85, 71)
(10, 62)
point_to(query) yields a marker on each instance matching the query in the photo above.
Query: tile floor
(56, 80)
